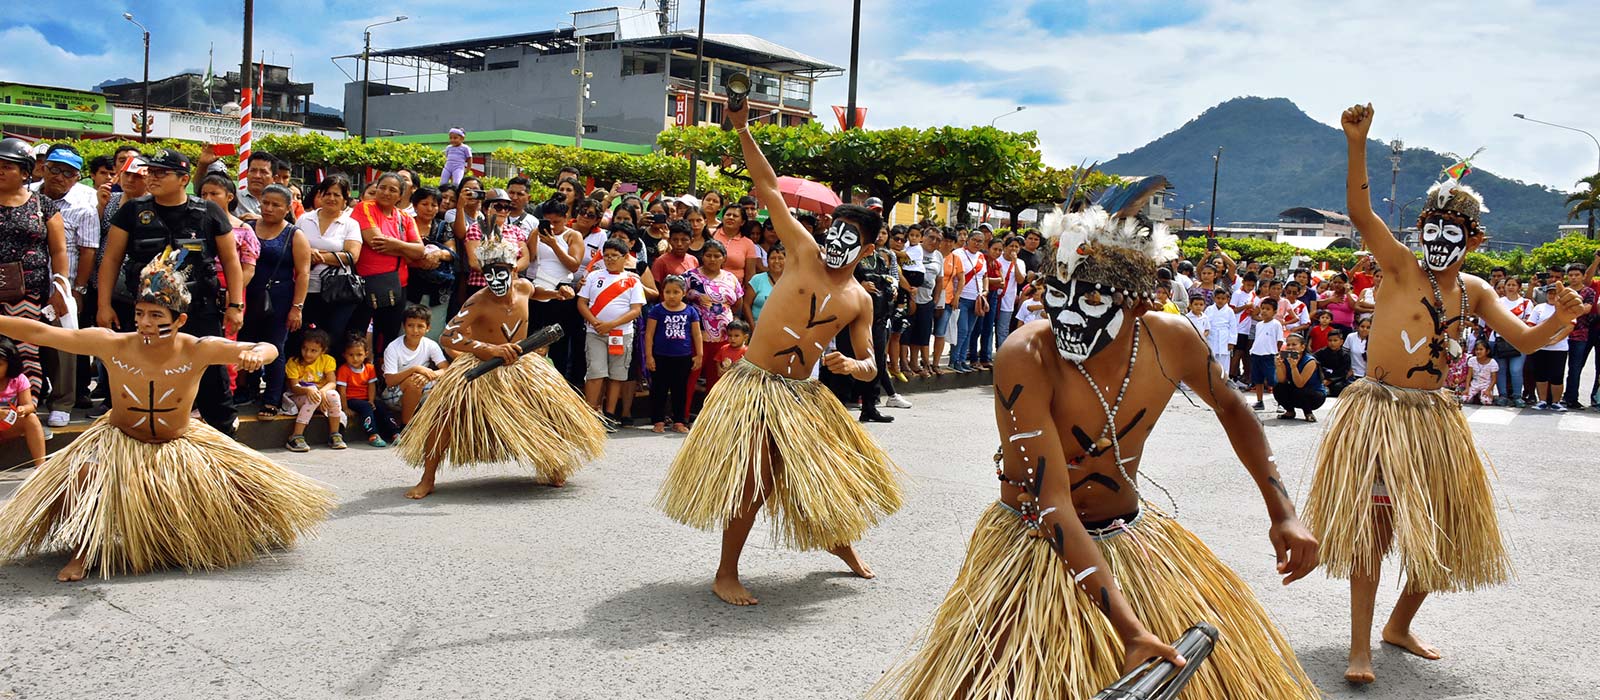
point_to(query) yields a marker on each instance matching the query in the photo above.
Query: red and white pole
(244, 131)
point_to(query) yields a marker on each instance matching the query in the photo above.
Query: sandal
(267, 413)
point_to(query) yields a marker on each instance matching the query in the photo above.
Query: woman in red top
(389, 246)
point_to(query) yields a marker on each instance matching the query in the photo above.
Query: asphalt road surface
(497, 587)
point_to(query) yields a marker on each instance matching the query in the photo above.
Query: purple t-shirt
(673, 337)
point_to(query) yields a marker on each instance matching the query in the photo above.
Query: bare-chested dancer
(523, 411)
(1398, 467)
(771, 435)
(144, 487)
(1071, 578)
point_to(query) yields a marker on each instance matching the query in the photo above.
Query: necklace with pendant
(1108, 434)
(1454, 348)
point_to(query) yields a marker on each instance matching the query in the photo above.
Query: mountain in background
(324, 109)
(102, 85)
(1276, 157)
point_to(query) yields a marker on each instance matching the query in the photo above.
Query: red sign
(861, 116)
(682, 117)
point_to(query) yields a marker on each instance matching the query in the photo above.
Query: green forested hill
(1276, 157)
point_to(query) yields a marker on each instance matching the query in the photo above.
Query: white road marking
(1579, 423)
(1485, 416)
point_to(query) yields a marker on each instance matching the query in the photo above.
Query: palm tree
(1586, 201)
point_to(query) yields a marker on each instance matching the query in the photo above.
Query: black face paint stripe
(1059, 541)
(1278, 485)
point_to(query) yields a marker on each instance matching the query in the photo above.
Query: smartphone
(223, 149)
(658, 218)
(475, 194)
(627, 188)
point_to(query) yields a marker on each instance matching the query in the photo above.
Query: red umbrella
(807, 195)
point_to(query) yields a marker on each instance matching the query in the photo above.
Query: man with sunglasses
(165, 218)
(79, 207)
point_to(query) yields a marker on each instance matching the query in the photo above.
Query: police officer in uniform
(142, 229)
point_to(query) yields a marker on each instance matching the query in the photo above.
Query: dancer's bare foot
(680, 428)
(853, 560)
(420, 491)
(556, 482)
(73, 571)
(1409, 642)
(1360, 670)
(731, 591)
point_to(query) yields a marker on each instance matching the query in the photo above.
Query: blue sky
(1097, 77)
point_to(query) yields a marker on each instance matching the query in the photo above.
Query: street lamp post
(1395, 147)
(1581, 131)
(1211, 226)
(694, 109)
(144, 109)
(1186, 209)
(366, 68)
(1007, 114)
(1402, 211)
(583, 75)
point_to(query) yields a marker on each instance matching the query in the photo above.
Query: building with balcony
(282, 99)
(641, 81)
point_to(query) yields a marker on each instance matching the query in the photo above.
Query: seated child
(19, 415)
(310, 388)
(358, 384)
(411, 364)
(738, 334)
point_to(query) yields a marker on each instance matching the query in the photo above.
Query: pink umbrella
(807, 195)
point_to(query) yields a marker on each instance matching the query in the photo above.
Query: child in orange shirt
(738, 334)
(358, 382)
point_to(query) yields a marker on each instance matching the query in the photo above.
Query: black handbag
(340, 283)
(383, 289)
(1502, 349)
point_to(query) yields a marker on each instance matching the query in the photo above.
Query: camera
(476, 194)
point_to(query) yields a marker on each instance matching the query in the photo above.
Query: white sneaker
(58, 419)
(896, 402)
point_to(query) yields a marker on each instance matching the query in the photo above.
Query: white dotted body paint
(180, 369)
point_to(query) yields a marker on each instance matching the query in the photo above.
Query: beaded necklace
(1108, 434)
(1455, 347)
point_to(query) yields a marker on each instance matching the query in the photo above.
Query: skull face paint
(498, 279)
(1084, 316)
(1444, 243)
(841, 244)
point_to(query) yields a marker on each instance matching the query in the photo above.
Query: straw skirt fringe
(1015, 626)
(201, 501)
(831, 481)
(1419, 446)
(524, 412)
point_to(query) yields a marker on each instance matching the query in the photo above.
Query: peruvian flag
(842, 112)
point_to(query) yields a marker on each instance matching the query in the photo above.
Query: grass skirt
(201, 501)
(525, 413)
(1418, 444)
(1015, 626)
(831, 482)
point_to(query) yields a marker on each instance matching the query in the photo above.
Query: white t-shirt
(1224, 329)
(1269, 336)
(1358, 354)
(1031, 311)
(398, 357)
(971, 280)
(597, 282)
(332, 240)
(1542, 312)
(1201, 323)
(1008, 288)
(1246, 302)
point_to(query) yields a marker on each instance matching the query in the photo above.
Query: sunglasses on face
(502, 207)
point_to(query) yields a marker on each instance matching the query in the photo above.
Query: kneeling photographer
(1299, 380)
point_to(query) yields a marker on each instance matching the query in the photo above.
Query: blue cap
(63, 155)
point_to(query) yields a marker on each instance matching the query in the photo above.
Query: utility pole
(366, 68)
(850, 107)
(246, 79)
(694, 109)
(583, 90)
(144, 109)
(1395, 147)
(1211, 227)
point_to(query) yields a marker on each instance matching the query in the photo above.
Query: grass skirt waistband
(831, 480)
(201, 501)
(1418, 444)
(1015, 626)
(523, 412)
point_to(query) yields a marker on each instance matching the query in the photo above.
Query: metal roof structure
(468, 54)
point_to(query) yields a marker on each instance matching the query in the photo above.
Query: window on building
(797, 93)
(503, 65)
(645, 63)
(682, 69)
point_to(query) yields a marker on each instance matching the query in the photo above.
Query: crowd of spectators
(655, 296)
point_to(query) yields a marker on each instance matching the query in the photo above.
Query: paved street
(498, 588)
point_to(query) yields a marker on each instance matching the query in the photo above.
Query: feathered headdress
(494, 249)
(1452, 197)
(161, 282)
(1111, 242)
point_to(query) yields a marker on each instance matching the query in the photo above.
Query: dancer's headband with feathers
(494, 249)
(1110, 242)
(161, 282)
(1450, 197)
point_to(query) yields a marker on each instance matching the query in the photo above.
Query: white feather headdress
(1112, 223)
